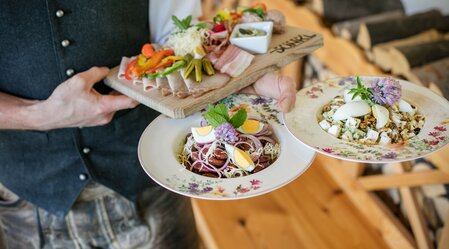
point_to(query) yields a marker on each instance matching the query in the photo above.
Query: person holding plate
(69, 173)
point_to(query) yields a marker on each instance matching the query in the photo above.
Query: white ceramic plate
(163, 139)
(302, 122)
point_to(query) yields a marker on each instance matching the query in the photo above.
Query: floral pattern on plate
(160, 163)
(302, 122)
(213, 188)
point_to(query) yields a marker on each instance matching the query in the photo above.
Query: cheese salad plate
(328, 118)
(163, 141)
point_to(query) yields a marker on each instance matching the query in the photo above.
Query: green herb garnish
(218, 114)
(201, 25)
(182, 24)
(258, 11)
(362, 91)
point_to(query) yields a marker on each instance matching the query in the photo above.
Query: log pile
(349, 29)
(414, 46)
(334, 11)
(371, 34)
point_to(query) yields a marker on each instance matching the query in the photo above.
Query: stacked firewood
(412, 46)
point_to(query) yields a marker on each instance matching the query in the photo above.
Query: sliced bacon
(212, 57)
(229, 54)
(238, 65)
(233, 61)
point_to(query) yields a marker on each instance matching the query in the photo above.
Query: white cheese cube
(328, 115)
(372, 135)
(352, 123)
(384, 139)
(325, 125)
(334, 130)
(347, 135)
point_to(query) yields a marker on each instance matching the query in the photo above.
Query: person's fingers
(118, 102)
(268, 86)
(279, 87)
(88, 78)
(287, 90)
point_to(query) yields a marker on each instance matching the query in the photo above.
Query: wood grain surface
(293, 44)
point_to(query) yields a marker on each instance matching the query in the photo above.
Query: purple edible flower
(259, 101)
(390, 155)
(386, 91)
(225, 132)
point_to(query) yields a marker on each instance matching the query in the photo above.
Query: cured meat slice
(123, 63)
(238, 65)
(148, 84)
(208, 83)
(163, 86)
(233, 61)
(177, 85)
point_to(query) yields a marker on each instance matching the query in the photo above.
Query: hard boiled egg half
(381, 114)
(251, 126)
(240, 158)
(351, 109)
(203, 134)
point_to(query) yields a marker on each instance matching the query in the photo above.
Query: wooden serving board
(293, 44)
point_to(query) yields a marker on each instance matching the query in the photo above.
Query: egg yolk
(250, 126)
(203, 131)
(242, 159)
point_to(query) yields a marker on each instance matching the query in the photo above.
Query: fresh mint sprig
(362, 91)
(182, 24)
(218, 114)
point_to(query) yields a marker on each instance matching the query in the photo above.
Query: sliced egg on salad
(404, 106)
(251, 126)
(203, 134)
(240, 158)
(351, 109)
(381, 114)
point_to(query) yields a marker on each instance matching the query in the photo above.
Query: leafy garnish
(238, 119)
(362, 91)
(201, 25)
(182, 24)
(218, 114)
(258, 11)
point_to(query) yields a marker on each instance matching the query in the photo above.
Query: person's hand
(74, 103)
(275, 86)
